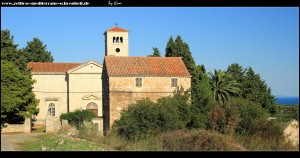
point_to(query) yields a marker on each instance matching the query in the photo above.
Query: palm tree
(223, 86)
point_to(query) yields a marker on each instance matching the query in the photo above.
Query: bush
(200, 140)
(78, 117)
(252, 116)
(145, 118)
(225, 118)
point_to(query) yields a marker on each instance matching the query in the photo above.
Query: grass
(183, 140)
(257, 143)
(54, 142)
(38, 128)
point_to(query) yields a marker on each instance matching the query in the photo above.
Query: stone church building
(106, 89)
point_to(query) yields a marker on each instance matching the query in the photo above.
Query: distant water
(287, 100)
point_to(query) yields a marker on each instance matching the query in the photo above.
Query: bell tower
(116, 42)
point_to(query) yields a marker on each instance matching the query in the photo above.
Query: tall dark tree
(9, 51)
(223, 86)
(170, 48)
(237, 73)
(201, 94)
(178, 48)
(256, 90)
(35, 51)
(17, 99)
(156, 53)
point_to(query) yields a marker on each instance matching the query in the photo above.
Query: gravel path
(8, 140)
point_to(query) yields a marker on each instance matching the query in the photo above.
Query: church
(106, 89)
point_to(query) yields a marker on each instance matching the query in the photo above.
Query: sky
(264, 38)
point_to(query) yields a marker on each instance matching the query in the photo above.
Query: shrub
(252, 116)
(225, 118)
(78, 117)
(145, 118)
(200, 140)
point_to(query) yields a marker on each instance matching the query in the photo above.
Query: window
(51, 109)
(121, 39)
(93, 108)
(174, 82)
(114, 39)
(138, 82)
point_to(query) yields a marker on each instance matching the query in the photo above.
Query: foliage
(287, 113)
(35, 51)
(252, 87)
(201, 96)
(252, 116)
(17, 98)
(156, 53)
(146, 118)
(224, 119)
(9, 51)
(223, 86)
(237, 73)
(78, 117)
(199, 140)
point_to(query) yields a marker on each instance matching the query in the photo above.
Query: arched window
(92, 107)
(51, 109)
(114, 39)
(121, 39)
(117, 40)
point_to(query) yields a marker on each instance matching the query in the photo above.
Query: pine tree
(35, 51)
(201, 95)
(17, 99)
(156, 53)
(256, 90)
(9, 51)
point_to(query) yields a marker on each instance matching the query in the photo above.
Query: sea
(287, 100)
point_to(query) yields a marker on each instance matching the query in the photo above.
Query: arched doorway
(92, 107)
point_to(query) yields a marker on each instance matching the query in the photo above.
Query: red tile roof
(145, 66)
(51, 67)
(117, 29)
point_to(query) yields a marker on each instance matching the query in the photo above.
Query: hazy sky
(267, 39)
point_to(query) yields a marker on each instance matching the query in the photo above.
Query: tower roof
(117, 29)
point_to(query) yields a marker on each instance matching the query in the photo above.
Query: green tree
(156, 53)
(35, 51)
(223, 86)
(9, 51)
(17, 99)
(178, 48)
(200, 89)
(256, 90)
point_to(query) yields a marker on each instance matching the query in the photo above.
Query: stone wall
(122, 92)
(18, 128)
(291, 133)
(52, 124)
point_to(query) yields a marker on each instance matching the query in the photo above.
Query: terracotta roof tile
(117, 29)
(145, 66)
(51, 67)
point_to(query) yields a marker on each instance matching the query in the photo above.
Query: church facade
(106, 89)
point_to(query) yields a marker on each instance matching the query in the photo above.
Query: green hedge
(78, 117)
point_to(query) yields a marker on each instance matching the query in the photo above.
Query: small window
(174, 82)
(121, 39)
(138, 82)
(51, 109)
(114, 39)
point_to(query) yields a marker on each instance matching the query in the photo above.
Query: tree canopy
(35, 51)
(9, 51)
(156, 53)
(223, 86)
(17, 99)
